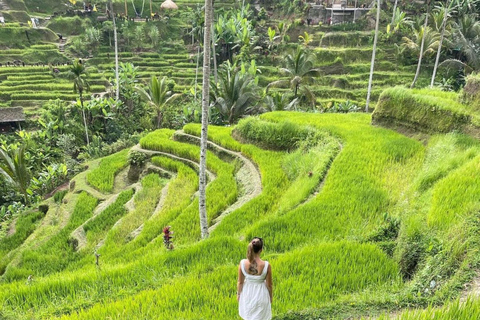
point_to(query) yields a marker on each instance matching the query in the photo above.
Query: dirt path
(472, 289)
(248, 176)
(79, 233)
(190, 163)
(12, 229)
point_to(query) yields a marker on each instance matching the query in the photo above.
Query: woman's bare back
(260, 266)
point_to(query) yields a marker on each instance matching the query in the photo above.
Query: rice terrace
(144, 144)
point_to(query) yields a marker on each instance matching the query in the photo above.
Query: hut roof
(169, 4)
(11, 114)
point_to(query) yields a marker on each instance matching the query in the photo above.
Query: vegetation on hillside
(381, 221)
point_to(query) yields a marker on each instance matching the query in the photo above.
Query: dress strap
(265, 268)
(242, 263)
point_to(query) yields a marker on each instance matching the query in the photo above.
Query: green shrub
(428, 113)
(59, 195)
(282, 136)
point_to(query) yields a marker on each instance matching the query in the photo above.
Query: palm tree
(467, 39)
(394, 12)
(202, 207)
(158, 96)
(372, 64)
(14, 169)
(299, 69)
(446, 13)
(428, 36)
(417, 73)
(235, 93)
(78, 74)
(117, 87)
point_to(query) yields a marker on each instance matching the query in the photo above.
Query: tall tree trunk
(84, 118)
(420, 57)
(372, 64)
(196, 73)
(442, 35)
(117, 80)
(393, 15)
(215, 71)
(205, 105)
(126, 10)
(151, 10)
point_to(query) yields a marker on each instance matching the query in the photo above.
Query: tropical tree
(394, 12)
(236, 93)
(279, 102)
(13, 168)
(78, 75)
(466, 37)
(446, 11)
(202, 205)
(300, 71)
(158, 96)
(424, 33)
(427, 36)
(372, 64)
(399, 20)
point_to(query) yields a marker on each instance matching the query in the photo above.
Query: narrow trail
(472, 289)
(130, 205)
(190, 163)
(319, 187)
(248, 177)
(79, 233)
(12, 228)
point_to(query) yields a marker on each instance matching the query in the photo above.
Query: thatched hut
(10, 118)
(169, 4)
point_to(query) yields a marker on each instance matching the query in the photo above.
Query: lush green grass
(320, 204)
(424, 110)
(102, 178)
(469, 310)
(336, 268)
(221, 192)
(56, 253)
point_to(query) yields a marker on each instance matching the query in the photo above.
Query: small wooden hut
(11, 118)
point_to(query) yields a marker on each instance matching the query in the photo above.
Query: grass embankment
(431, 111)
(102, 178)
(337, 233)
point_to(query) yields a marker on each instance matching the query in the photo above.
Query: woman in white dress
(254, 287)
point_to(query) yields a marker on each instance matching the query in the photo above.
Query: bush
(59, 195)
(282, 136)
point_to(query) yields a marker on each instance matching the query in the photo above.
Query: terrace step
(248, 176)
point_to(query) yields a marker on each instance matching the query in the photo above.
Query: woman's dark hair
(255, 246)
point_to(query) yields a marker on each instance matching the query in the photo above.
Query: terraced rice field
(316, 205)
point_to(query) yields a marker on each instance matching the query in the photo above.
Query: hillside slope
(373, 216)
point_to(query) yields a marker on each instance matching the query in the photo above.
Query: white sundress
(254, 301)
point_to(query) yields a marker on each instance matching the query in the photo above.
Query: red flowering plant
(167, 237)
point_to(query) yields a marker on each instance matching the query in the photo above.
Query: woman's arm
(241, 280)
(270, 282)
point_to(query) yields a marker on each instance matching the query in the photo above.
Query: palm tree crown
(158, 96)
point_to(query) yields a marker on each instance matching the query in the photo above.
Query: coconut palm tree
(299, 69)
(14, 169)
(205, 105)
(417, 73)
(446, 10)
(235, 94)
(429, 38)
(78, 74)
(158, 96)
(372, 64)
(467, 39)
(394, 12)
